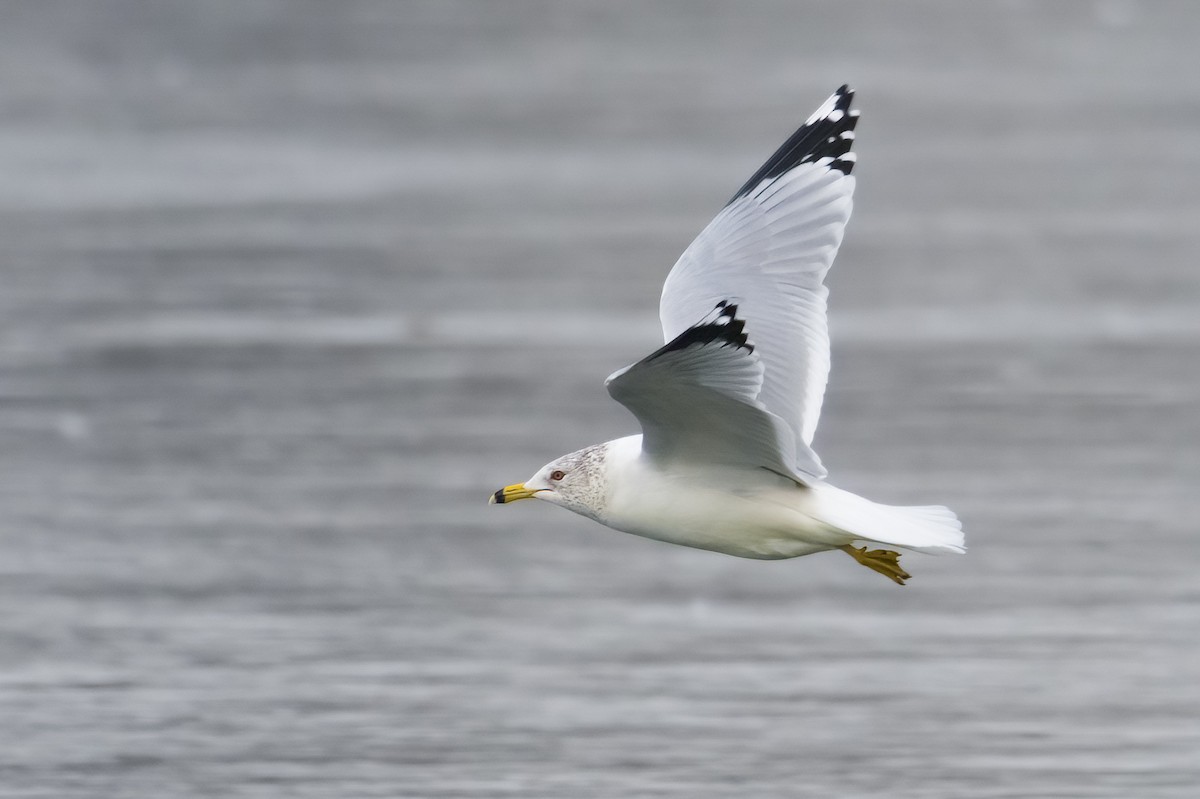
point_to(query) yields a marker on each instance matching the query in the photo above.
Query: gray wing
(697, 400)
(769, 249)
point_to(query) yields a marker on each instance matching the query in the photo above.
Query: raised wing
(696, 399)
(769, 250)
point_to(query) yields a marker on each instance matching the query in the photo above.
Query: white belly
(750, 514)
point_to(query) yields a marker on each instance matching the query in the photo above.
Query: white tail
(933, 529)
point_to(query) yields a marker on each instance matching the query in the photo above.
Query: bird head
(574, 481)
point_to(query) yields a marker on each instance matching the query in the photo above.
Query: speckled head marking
(575, 481)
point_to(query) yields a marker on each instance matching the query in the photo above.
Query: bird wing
(697, 400)
(769, 250)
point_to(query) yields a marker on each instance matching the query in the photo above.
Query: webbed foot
(884, 561)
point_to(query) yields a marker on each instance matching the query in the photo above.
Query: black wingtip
(722, 327)
(828, 133)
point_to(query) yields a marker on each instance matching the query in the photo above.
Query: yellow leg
(884, 561)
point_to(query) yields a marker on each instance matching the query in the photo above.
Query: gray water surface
(290, 288)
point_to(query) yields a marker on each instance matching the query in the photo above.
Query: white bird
(728, 406)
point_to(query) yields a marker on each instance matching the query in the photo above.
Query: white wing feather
(769, 250)
(696, 399)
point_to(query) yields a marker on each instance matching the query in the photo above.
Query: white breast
(750, 513)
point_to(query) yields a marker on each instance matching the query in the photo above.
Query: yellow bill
(511, 494)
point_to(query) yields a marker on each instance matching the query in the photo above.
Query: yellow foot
(884, 561)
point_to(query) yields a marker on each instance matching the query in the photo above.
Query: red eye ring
(557, 474)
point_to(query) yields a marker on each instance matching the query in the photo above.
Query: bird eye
(557, 474)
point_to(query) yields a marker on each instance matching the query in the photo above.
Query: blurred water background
(290, 287)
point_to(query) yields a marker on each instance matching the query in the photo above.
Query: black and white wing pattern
(697, 399)
(769, 250)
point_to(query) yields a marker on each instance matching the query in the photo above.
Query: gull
(729, 405)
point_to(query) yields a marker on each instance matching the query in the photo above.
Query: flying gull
(728, 406)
